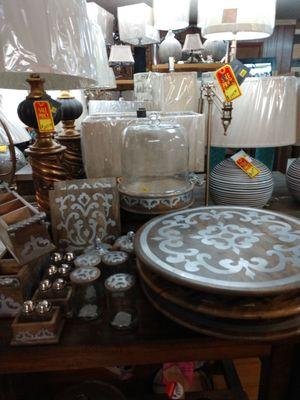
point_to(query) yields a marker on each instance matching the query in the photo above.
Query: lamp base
(72, 159)
(47, 168)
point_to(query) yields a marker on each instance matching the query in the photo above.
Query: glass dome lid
(155, 159)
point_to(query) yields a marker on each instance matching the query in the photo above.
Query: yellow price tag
(228, 83)
(243, 161)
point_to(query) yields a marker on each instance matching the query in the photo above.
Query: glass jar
(120, 289)
(87, 294)
(155, 159)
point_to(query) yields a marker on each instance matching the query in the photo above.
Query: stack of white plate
(229, 185)
(293, 179)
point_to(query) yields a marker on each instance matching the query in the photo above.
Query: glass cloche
(155, 167)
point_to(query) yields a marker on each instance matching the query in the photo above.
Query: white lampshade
(136, 25)
(103, 18)
(239, 19)
(171, 14)
(264, 116)
(121, 55)
(49, 38)
(203, 7)
(192, 42)
(101, 64)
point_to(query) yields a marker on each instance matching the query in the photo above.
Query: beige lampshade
(239, 19)
(171, 14)
(103, 18)
(49, 38)
(136, 25)
(264, 116)
(121, 55)
(192, 42)
(104, 76)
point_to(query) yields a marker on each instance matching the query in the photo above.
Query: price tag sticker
(228, 83)
(244, 161)
(43, 115)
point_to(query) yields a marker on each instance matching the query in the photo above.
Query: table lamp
(102, 17)
(171, 14)
(72, 108)
(264, 116)
(120, 57)
(136, 25)
(192, 43)
(47, 44)
(239, 20)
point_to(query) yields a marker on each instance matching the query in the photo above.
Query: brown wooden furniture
(201, 67)
(86, 346)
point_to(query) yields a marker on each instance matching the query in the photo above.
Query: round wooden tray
(226, 250)
(225, 328)
(220, 306)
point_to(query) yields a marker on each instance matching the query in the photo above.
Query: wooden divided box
(22, 228)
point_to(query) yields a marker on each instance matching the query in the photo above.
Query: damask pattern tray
(225, 250)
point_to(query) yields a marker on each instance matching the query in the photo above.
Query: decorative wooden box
(63, 302)
(37, 332)
(22, 228)
(17, 283)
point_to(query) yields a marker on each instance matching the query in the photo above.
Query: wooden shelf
(197, 67)
(124, 84)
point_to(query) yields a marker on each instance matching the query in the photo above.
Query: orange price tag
(243, 161)
(228, 83)
(43, 115)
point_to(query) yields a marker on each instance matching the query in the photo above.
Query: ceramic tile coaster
(83, 210)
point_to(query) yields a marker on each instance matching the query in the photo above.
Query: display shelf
(197, 67)
(124, 84)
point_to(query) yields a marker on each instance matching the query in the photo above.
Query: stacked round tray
(232, 272)
(229, 185)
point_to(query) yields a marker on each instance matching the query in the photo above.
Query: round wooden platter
(233, 307)
(225, 328)
(224, 250)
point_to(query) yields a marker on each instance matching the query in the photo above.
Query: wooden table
(86, 346)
